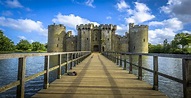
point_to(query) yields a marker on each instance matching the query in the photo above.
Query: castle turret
(138, 38)
(84, 36)
(56, 34)
(107, 37)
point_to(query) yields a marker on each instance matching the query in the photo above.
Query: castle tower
(107, 37)
(56, 34)
(138, 38)
(84, 37)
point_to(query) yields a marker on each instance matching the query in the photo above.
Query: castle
(98, 38)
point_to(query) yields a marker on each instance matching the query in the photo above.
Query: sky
(29, 19)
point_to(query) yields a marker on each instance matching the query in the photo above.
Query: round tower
(138, 38)
(56, 34)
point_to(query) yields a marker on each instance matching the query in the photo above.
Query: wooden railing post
(155, 76)
(140, 69)
(66, 67)
(21, 77)
(130, 64)
(59, 68)
(77, 55)
(74, 58)
(117, 59)
(125, 63)
(71, 58)
(186, 70)
(46, 75)
(121, 59)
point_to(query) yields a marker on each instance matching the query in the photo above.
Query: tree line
(181, 44)
(7, 44)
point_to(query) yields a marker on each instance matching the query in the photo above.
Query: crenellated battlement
(57, 26)
(131, 25)
(108, 26)
(85, 26)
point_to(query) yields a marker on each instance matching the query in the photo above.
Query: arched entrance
(96, 48)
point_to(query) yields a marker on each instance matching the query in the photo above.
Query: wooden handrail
(20, 83)
(186, 68)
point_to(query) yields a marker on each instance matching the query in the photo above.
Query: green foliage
(37, 46)
(24, 45)
(5, 43)
(180, 44)
(155, 48)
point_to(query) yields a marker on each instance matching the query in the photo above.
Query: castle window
(108, 39)
(134, 47)
(58, 39)
(87, 38)
(57, 45)
(143, 40)
(96, 38)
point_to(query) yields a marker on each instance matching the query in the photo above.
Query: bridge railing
(186, 67)
(71, 58)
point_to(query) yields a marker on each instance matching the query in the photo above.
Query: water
(170, 66)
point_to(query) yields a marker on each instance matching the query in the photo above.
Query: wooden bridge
(97, 76)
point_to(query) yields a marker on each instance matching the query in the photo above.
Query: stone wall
(138, 38)
(98, 38)
(56, 33)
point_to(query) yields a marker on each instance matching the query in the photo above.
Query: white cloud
(166, 29)
(13, 3)
(140, 14)
(24, 25)
(7, 13)
(22, 37)
(179, 9)
(108, 17)
(122, 5)
(121, 29)
(89, 3)
(71, 20)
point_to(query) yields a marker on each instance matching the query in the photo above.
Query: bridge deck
(99, 77)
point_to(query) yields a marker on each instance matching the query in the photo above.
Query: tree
(37, 46)
(155, 48)
(5, 43)
(166, 46)
(23, 45)
(182, 40)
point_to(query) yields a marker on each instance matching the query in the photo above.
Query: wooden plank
(99, 78)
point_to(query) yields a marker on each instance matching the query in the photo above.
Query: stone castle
(98, 38)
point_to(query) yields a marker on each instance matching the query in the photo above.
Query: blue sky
(29, 19)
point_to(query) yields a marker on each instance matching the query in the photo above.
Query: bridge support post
(186, 66)
(130, 64)
(59, 69)
(125, 63)
(21, 77)
(117, 59)
(155, 76)
(66, 67)
(71, 58)
(74, 58)
(121, 59)
(140, 69)
(46, 75)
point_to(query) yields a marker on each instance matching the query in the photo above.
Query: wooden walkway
(99, 77)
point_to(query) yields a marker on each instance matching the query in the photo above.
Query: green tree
(155, 48)
(37, 46)
(182, 40)
(24, 45)
(5, 43)
(166, 46)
